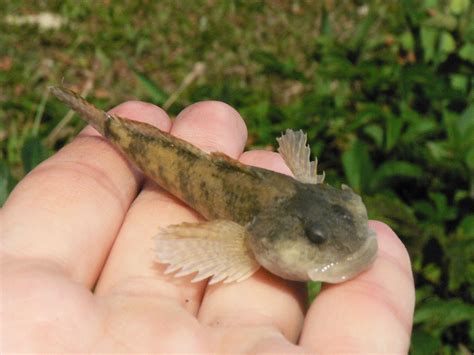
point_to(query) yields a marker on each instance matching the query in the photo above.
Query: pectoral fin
(217, 248)
(295, 152)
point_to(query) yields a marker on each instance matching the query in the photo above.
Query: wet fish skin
(296, 230)
(282, 244)
(213, 184)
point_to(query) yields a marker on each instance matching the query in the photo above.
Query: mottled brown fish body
(298, 229)
(213, 184)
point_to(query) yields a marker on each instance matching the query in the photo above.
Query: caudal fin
(86, 111)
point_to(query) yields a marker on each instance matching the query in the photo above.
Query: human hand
(78, 271)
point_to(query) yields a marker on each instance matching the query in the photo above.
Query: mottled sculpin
(297, 228)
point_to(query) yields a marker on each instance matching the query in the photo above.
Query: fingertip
(213, 126)
(391, 245)
(381, 299)
(382, 228)
(143, 112)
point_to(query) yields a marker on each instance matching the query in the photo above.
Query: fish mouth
(349, 267)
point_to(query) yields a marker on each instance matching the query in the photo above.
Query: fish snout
(350, 266)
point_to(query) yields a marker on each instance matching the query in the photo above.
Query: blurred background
(384, 90)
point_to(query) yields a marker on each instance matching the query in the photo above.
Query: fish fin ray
(296, 153)
(220, 250)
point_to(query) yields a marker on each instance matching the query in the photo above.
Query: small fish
(297, 228)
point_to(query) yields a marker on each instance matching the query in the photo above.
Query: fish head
(321, 233)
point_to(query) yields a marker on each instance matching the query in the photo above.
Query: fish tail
(86, 111)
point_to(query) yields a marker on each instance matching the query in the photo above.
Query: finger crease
(82, 169)
(376, 292)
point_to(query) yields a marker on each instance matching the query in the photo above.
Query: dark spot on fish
(204, 190)
(228, 165)
(245, 202)
(138, 148)
(187, 155)
(185, 185)
(110, 132)
(161, 172)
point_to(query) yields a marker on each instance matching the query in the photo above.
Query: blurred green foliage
(384, 90)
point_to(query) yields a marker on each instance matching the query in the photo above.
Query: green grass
(384, 90)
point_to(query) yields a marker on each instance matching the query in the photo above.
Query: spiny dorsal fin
(295, 152)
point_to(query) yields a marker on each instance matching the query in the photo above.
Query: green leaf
(5, 179)
(460, 253)
(276, 65)
(313, 290)
(392, 131)
(359, 38)
(423, 292)
(33, 153)
(430, 3)
(358, 166)
(467, 225)
(325, 22)
(459, 82)
(467, 52)
(438, 314)
(13, 144)
(423, 343)
(396, 168)
(432, 272)
(438, 149)
(391, 210)
(444, 210)
(447, 42)
(417, 130)
(365, 115)
(425, 208)
(441, 21)
(157, 95)
(406, 40)
(471, 331)
(450, 120)
(376, 133)
(258, 120)
(428, 41)
(457, 7)
(465, 126)
(469, 159)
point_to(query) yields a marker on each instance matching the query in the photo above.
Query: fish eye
(315, 233)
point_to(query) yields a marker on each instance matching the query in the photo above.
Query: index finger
(68, 210)
(371, 313)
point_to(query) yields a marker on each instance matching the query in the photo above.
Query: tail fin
(86, 111)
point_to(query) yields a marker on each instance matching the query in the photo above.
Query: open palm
(78, 271)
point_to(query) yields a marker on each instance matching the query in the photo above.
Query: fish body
(213, 184)
(297, 228)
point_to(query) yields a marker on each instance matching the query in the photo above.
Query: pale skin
(78, 272)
